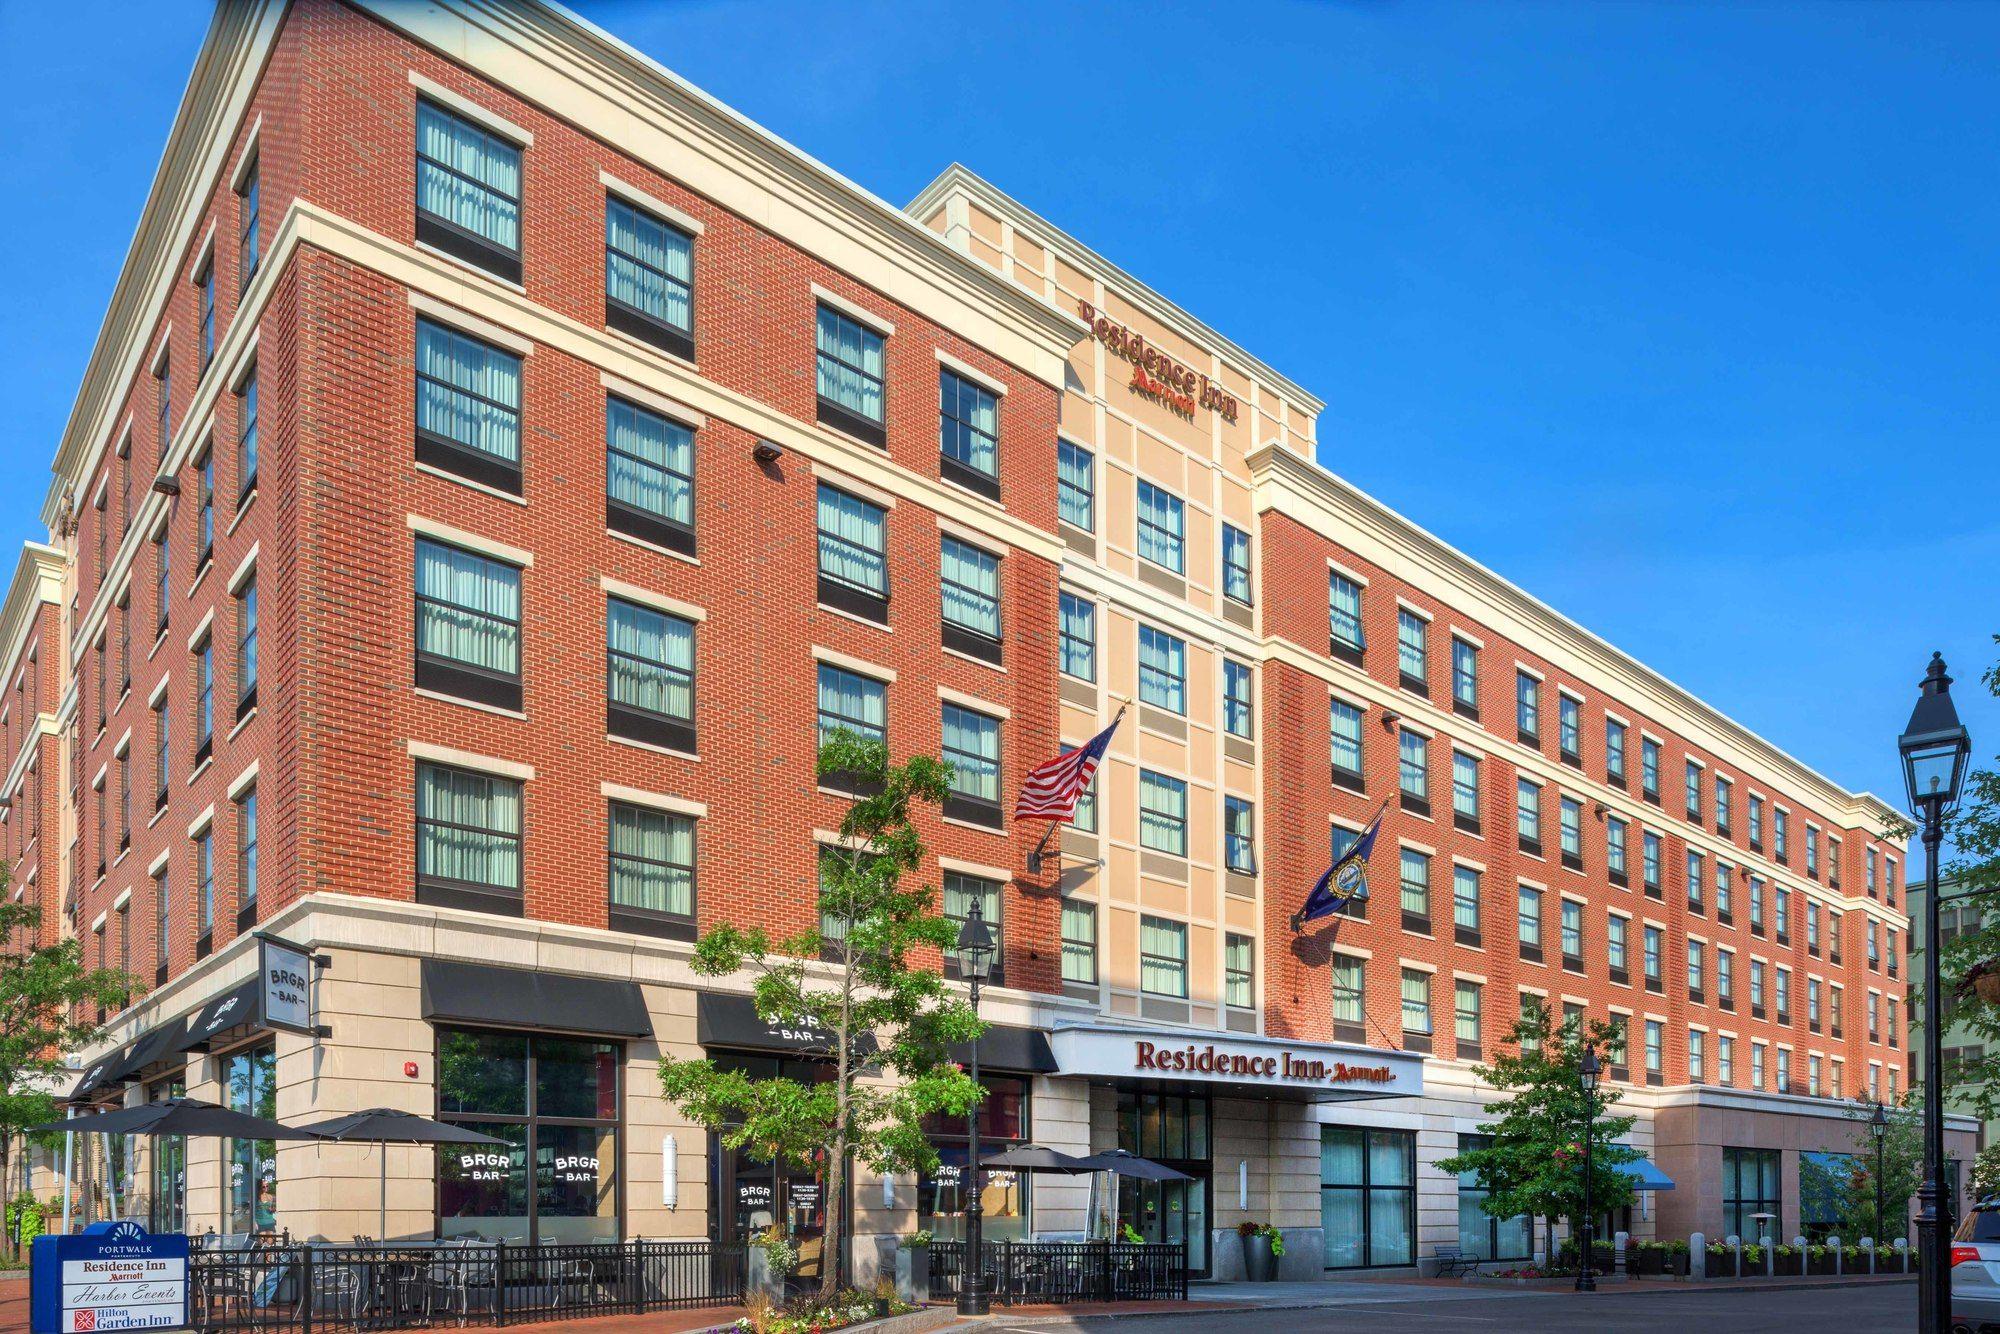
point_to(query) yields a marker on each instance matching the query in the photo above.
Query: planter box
(913, 1274)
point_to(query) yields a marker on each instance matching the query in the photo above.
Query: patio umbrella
(176, 1116)
(383, 1126)
(1034, 1158)
(1119, 1162)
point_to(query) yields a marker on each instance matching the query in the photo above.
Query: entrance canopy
(1236, 1066)
(1645, 1176)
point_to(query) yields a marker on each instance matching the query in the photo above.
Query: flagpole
(1036, 854)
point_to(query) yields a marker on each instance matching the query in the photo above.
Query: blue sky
(1681, 317)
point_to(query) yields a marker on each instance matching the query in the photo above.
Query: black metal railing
(284, 1287)
(1061, 1272)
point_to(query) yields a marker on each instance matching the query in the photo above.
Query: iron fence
(1060, 1272)
(281, 1288)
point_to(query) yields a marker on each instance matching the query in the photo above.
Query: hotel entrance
(1171, 1129)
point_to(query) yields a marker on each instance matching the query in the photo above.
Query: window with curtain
(468, 624)
(1466, 1003)
(1570, 813)
(1614, 849)
(1465, 903)
(969, 433)
(468, 191)
(1078, 637)
(1163, 956)
(1416, 890)
(1465, 791)
(648, 475)
(1413, 770)
(1528, 708)
(1368, 1197)
(204, 887)
(468, 839)
(1464, 677)
(852, 701)
(651, 870)
(1076, 486)
(162, 752)
(204, 550)
(1614, 751)
(1235, 564)
(246, 859)
(204, 698)
(1528, 814)
(1238, 835)
(468, 407)
(970, 584)
(1345, 721)
(1412, 648)
(648, 278)
(246, 646)
(649, 666)
(853, 554)
(1649, 847)
(1617, 935)
(1350, 1013)
(850, 375)
(1162, 670)
(1416, 1002)
(1162, 527)
(1528, 919)
(1572, 932)
(246, 437)
(960, 893)
(1079, 942)
(972, 749)
(1236, 698)
(1480, 1235)
(1569, 728)
(1239, 971)
(1162, 813)
(1653, 944)
(1344, 612)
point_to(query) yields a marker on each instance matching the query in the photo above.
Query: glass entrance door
(1169, 1128)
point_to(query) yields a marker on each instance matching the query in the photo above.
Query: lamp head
(1935, 746)
(1589, 1070)
(975, 945)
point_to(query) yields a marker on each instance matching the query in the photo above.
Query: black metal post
(1880, 1217)
(972, 1297)
(1586, 1276)
(1934, 1213)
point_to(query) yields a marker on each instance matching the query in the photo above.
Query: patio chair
(336, 1288)
(462, 1269)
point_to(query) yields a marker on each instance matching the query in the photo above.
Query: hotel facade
(499, 463)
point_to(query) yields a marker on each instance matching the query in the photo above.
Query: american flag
(1052, 789)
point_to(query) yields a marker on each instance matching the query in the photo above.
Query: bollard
(1735, 1243)
(1839, 1253)
(1770, 1257)
(1799, 1245)
(1903, 1252)
(1868, 1245)
(1618, 1251)
(1698, 1256)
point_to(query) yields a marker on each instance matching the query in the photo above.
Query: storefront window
(1481, 1236)
(250, 1166)
(167, 1208)
(1750, 1187)
(1003, 1124)
(1169, 1128)
(1367, 1197)
(1823, 1178)
(748, 1193)
(555, 1103)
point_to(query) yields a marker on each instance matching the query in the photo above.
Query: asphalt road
(1800, 1311)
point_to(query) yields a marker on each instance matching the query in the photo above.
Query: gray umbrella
(1118, 1162)
(176, 1116)
(1034, 1158)
(383, 1126)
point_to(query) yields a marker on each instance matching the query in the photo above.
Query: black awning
(98, 1074)
(478, 993)
(241, 1004)
(157, 1045)
(1021, 1050)
(722, 1020)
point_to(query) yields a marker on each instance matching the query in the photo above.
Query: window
(1417, 1009)
(1781, 834)
(1346, 733)
(1367, 1197)
(1465, 1018)
(1344, 615)
(1528, 923)
(246, 438)
(1235, 564)
(1416, 890)
(206, 282)
(1162, 813)
(1464, 677)
(1528, 709)
(1162, 670)
(1649, 769)
(1756, 1066)
(1480, 1235)
(163, 386)
(1076, 486)
(1697, 877)
(1615, 834)
(1653, 939)
(1465, 904)
(204, 699)
(1874, 953)
(1084, 818)
(1832, 861)
(162, 751)
(1413, 771)
(1617, 947)
(1528, 815)
(970, 582)
(468, 625)
(1784, 1069)
(163, 915)
(960, 893)
(204, 890)
(1656, 1056)
(468, 839)
(1724, 883)
(649, 670)
(850, 375)
(1077, 642)
(1236, 698)
(1569, 729)
(1784, 995)
(1757, 988)
(1756, 822)
(1873, 860)
(851, 701)
(1725, 1060)
(1756, 905)
(968, 434)
(249, 211)
(1570, 813)
(853, 555)
(1649, 846)
(1079, 942)
(1614, 751)
(246, 647)
(1239, 977)
(1781, 901)
(1162, 527)
(1163, 957)
(1812, 852)
(163, 564)
(972, 749)
(1572, 934)
(1465, 791)
(468, 407)
(648, 278)
(468, 192)
(1350, 1016)
(1722, 812)
(1413, 650)
(1238, 836)
(1693, 791)
(246, 859)
(1813, 1004)
(648, 476)
(250, 1171)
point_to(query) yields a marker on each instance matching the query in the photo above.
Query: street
(1856, 1310)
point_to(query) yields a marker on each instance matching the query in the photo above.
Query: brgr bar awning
(477, 993)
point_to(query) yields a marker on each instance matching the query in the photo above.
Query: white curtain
(469, 608)
(468, 177)
(468, 392)
(1162, 957)
(652, 860)
(649, 462)
(971, 588)
(852, 541)
(1162, 669)
(972, 747)
(969, 424)
(652, 660)
(850, 701)
(647, 264)
(850, 364)
(469, 827)
(1162, 813)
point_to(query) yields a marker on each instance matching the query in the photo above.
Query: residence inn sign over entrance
(1248, 1066)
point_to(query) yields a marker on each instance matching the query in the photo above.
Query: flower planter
(1260, 1264)
(913, 1274)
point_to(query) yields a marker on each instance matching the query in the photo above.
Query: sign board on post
(111, 1276)
(285, 971)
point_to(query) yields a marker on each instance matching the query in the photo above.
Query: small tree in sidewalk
(1902, 1156)
(854, 979)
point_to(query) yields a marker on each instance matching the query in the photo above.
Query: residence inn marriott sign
(1244, 1067)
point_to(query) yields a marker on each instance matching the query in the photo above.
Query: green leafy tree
(45, 991)
(1902, 1171)
(858, 984)
(1534, 1162)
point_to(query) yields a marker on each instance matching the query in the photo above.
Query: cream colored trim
(472, 111)
(647, 597)
(847, 481)
(123, 901)
(979, 869)
(653, 204)
(433, 309)
(159, 863)
(1459, 975)
(123, 746)
(444, 532)
(1468, 863)
(861, 314)
(97, 779)
(252, 141)
(1418, 966)
(243, 782)
(655, 800)
(651, 398)
(244, 569)
(972, 536)
(974, 703)
(1411, 845)
(204, 254)
(424, 750)
(1404, 604)
(97, 923)
(887, 675)
(159, 690)
(202, 823)
(201, 629)
(244, 362)
(1460, 632)
(1525, 670)
(972, 373)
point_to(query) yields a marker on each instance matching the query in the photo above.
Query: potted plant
(913, 1268)
(772, 1256)
(1263, 1245)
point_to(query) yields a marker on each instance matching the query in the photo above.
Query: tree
(45, 989)
(1534, 1164)
(1902, 1170)
(1974, 835)
(857, 984)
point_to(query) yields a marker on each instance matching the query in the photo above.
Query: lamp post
(1588, 1071)
(1878, 1126)
(975, 963)
(1935, 747)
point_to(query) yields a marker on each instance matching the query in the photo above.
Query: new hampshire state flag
(1345, 881)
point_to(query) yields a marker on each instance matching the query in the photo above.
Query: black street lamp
(1878, 1126)
(975, 964)
(1588, 1072)
(1935, 747)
